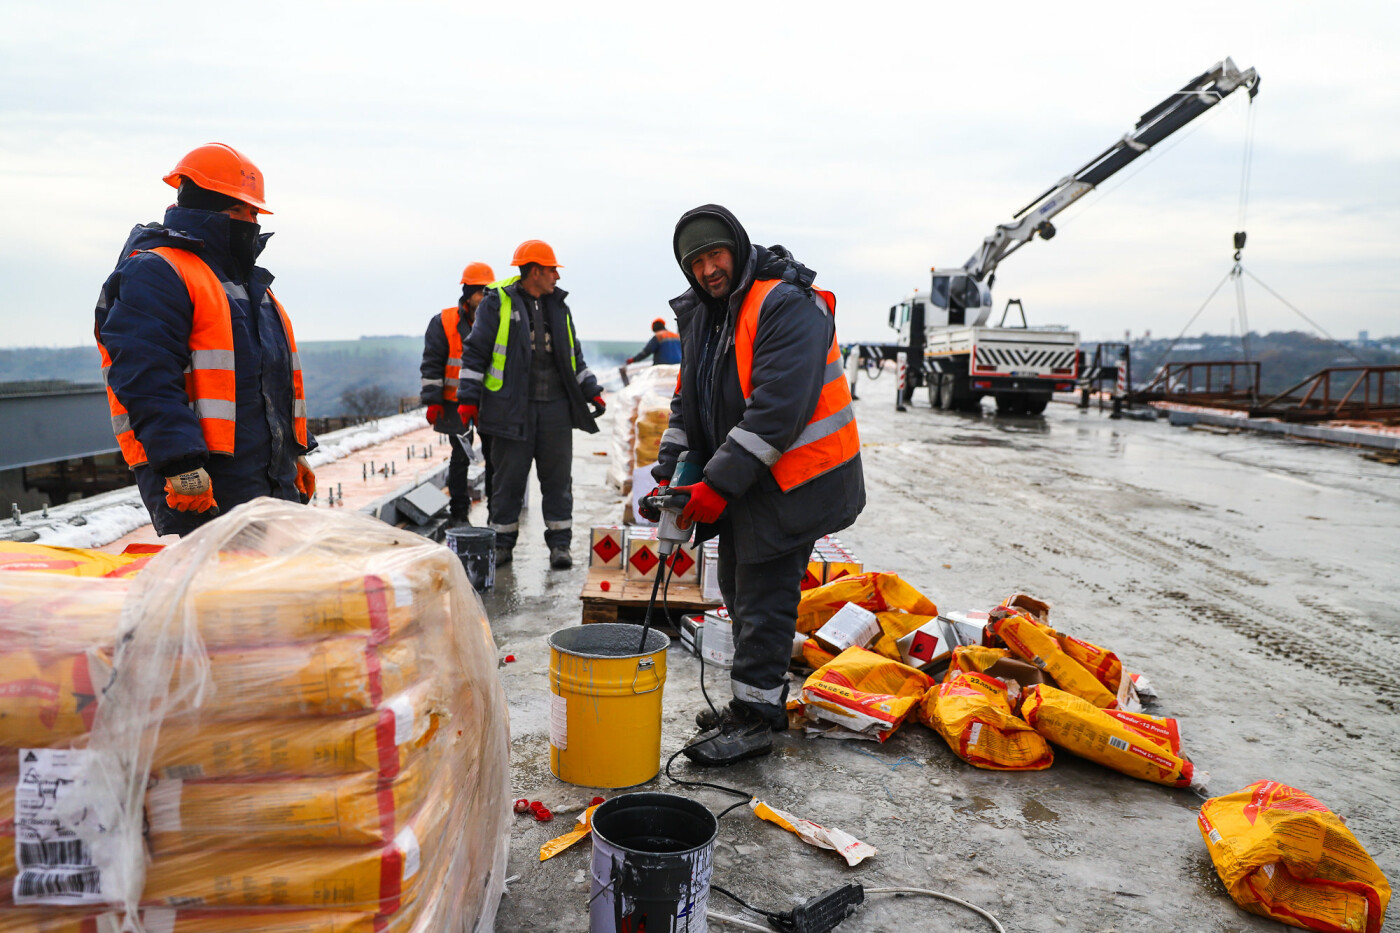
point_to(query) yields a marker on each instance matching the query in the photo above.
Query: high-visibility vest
(452, 373)
(209, 376)
(496, 374)
(829, 439)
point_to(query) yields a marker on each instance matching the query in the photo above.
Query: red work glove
(599, 406)
(306, 480)
(467, 413)
(629, 361)
(705, 505)
(434, 412)
(190, 492)
(647, 512)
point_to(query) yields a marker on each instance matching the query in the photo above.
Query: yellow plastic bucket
(605, 704)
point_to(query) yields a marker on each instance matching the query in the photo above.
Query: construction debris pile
(1005, 690)
(284, 722)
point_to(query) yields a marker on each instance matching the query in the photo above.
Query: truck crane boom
(1199, 94)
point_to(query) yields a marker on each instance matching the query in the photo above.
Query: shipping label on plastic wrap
(55, 865)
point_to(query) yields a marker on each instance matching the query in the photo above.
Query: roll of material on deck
(605, 704)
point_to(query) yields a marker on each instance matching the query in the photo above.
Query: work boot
(708, 719)
(559, 558)
(503, 555)
(741, 733)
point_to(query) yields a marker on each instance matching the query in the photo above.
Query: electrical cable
(735, 921)
(899, 892)
(741, 902)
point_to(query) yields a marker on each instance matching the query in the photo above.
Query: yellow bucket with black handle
(605, 704)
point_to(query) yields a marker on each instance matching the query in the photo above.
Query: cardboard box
(851, 626)
(816, 573)
(644, 557)
(842, 567)
(932, 643)
(717, 639)
(607, 544)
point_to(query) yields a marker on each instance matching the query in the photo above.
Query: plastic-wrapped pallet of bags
(1284, 855)
(329, 767)
(658, 380)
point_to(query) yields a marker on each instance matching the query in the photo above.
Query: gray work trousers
(762, 601)
(549, 444)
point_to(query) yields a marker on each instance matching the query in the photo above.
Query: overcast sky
(400, 141)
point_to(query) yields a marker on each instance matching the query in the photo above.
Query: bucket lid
(607, 640)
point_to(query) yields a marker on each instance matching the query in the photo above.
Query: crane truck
(946, 341)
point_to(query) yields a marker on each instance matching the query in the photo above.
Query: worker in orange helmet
(203, 378)
(441, 372)
(524, 382)
(666, 344)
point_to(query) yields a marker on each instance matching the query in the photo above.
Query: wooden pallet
(626, 600)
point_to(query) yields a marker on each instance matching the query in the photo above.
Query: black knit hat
(700, 234)
(202, 199)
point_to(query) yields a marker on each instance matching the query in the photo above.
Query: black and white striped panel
(1025, 359)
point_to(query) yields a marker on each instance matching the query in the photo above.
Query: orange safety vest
(830, 437)
(452, 375)
(209, 375)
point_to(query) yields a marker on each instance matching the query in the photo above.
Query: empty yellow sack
(71, 561)
(1282, 854)
(877, 592)
(864, 692)
(971, 712)
(1102, 736)
(1037, 644)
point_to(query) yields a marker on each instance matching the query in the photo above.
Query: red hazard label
(923, 646)
(607, 548)
(681, 562)
(644, 560)
(810, 580)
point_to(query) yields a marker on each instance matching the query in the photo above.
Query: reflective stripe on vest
(830, 438)
(209, 376)
(452, 374)
(496, 375)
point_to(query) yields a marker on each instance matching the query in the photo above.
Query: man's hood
(187, 228)
(751, 263)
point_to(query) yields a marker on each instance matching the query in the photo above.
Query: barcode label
(1215, 836)
(184, 772)
(34, 884)
(1118, 743)
(66, 853)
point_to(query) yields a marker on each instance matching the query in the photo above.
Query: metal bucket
(605, 704)
(476, 549)
(653, 855)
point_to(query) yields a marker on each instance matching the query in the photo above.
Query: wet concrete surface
(1252, 579)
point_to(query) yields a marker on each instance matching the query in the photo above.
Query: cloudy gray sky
(400, 141)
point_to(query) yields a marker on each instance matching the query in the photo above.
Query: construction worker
(525, 384)
(764, 406)
(441, 367)
(201, 365)
(664, 343)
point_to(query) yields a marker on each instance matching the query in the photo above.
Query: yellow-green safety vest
(495, 376)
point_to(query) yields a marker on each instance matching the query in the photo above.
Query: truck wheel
(1036, 405)
(935, 385)
(1011, 405)
(947, 397)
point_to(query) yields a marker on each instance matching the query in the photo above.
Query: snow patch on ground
(99, 520)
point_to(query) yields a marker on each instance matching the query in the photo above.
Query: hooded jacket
(503, 413)
(789, 365)
(143, 318)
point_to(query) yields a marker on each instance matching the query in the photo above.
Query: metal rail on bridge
(1362, 393)
(1211, 383)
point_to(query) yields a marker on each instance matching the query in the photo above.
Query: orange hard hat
(536, 251)
(221, 168)
(477, 273)
(661, 321)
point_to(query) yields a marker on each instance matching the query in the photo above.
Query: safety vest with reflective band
(209, 375)
(496, 375)
(829, 439)
(452, 374)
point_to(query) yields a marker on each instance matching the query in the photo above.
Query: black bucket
(653, 855)
(476, 549)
